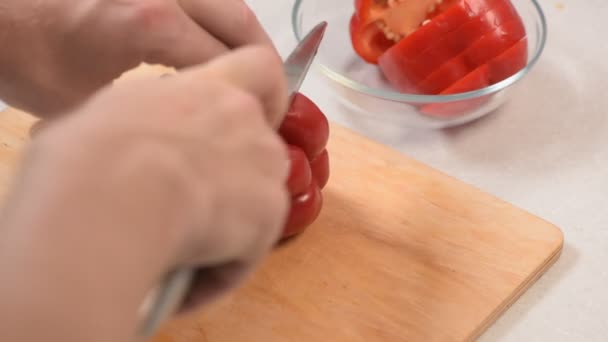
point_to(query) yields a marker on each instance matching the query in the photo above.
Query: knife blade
(167, 298)
(299, 61)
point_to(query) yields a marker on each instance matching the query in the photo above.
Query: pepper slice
(305, 130)
(498, 69)
(482, 51)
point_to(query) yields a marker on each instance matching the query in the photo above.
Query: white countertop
(545, 151)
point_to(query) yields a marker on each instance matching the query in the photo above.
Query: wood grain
(401, 252)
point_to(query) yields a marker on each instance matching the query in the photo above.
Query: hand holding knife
(169, 296)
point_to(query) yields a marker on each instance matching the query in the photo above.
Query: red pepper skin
(304, 210)
(479, 53)
(305, 126)
(305, 130)
(498, 69)
(368, 40)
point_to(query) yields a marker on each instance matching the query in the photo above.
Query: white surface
(545, 151)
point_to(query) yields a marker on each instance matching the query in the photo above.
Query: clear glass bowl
(361, 88)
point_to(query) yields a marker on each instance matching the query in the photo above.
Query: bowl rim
(420, 98)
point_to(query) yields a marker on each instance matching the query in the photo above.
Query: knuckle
(269, 61)
(246, 18)
(243, 105)
(150, 14)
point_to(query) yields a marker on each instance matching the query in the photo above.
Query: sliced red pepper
(405, 66)
(474, 80)
(509, 62)
(482, 51)
(498, 69)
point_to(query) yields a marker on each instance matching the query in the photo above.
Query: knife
(170, 295)
(298, 62)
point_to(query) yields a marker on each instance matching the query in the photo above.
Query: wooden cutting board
(401, 252)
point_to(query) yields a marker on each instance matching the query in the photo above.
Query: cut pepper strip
(482, 51)
(498, 69)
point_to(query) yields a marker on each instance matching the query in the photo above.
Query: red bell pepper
(422, 47)
(306, 131)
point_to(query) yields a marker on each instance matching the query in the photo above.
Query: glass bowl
(361, 87)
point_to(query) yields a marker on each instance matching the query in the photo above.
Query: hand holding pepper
(115, 194)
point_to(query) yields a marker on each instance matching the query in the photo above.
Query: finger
(230, 21)
(256, 70)
(249, 228)
(183, 44)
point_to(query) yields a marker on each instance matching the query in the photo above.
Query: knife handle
(169, 296)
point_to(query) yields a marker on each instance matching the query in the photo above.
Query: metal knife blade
(298, 62)
(170, 295)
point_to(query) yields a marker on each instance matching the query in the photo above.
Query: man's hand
(57, 53)
(146, 176)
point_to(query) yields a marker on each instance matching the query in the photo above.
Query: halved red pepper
(305, 130)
